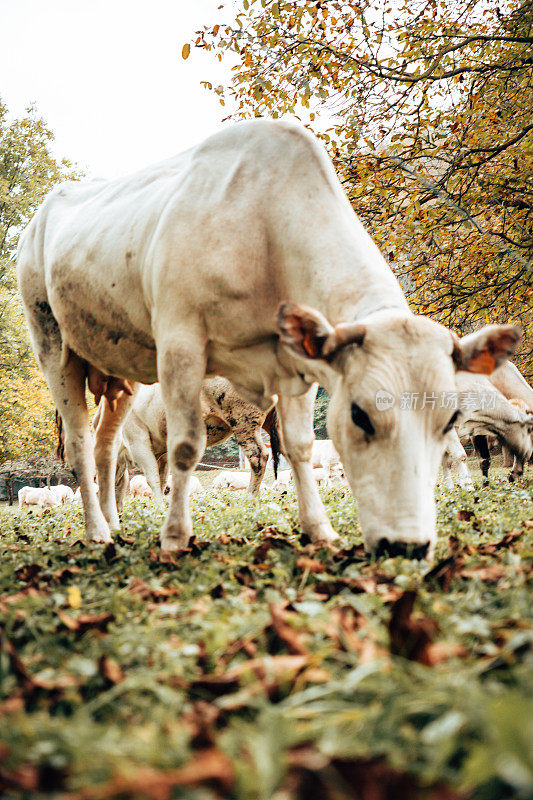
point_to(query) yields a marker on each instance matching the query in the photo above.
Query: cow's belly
(256, 372)
(99, 326)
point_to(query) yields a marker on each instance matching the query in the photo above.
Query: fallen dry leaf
(443, 572)
(492, 573)
(310, 564)
(293, 640)
(84, 622)
(208, 766)
(141, 588)
(410, 637)
(111, 670)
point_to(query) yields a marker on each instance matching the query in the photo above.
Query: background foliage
(430, 104)
(28, 170)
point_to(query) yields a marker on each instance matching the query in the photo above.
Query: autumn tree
(28, 170)
(429, 117)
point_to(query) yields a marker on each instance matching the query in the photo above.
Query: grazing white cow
(242, 257)
(231, 480)
(144, 433)
(63, 493)
(283, 481)
(139, 487)
(511, 383)
(33, 496)
(455, 454)
(324, 455)
(487, 412)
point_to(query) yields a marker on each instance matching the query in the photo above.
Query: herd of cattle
(243, 258)
(500, 407)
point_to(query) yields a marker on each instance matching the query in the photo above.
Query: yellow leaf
(185, 51)
(74, 597)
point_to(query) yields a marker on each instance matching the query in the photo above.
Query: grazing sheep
(32, 496)
(195, 487)
(63, 493)
(283, 481)
(139, 486)
(231, 480)
(321, 476)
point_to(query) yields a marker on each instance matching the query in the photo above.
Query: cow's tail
(275, 441)
(60, 449)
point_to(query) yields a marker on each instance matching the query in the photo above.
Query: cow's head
(392, 388)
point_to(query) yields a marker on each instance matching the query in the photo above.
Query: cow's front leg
(447, 480)
(481, 447)
(181, 372)
(296, 415)
(106, 449)
(508, 458)
(517, 470)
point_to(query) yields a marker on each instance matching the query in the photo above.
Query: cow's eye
(452, 422)
(362, 420)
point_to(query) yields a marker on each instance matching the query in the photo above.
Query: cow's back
(209, 242)
(511, 383)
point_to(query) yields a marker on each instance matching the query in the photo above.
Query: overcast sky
(108, 76)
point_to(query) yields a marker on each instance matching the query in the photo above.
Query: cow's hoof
(113, 522)
(102, 537)
(323, 534)
(170, 544)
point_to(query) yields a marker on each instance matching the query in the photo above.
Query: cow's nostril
(405, 549)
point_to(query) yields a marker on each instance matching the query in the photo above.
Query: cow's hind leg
(297, 425)
(181, 368)
(143, 456)
(106, 451)
(67, 386)
(256, 452)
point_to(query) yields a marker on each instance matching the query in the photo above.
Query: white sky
(109, 79)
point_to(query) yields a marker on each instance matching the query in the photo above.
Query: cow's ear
(486, 349)
(308, 333)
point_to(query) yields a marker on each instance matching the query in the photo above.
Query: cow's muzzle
(405, 549)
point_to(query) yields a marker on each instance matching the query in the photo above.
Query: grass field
(255, 666)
